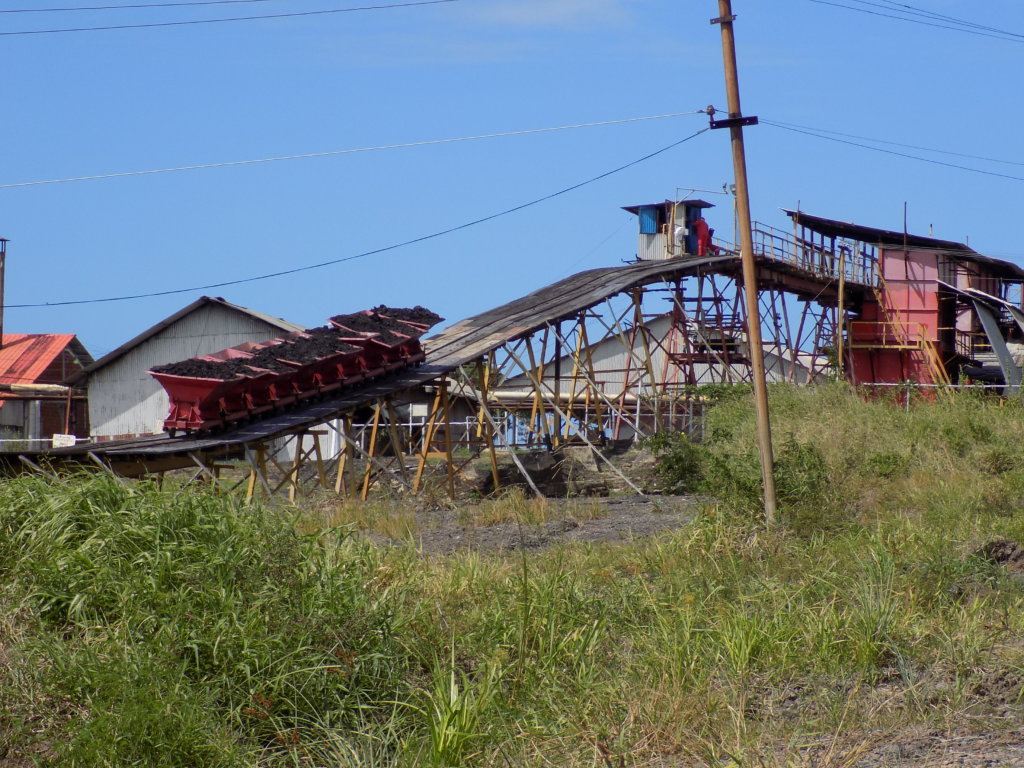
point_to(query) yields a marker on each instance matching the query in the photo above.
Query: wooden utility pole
(735, 125)
(3, 265)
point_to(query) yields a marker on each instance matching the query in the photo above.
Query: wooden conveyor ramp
(461, 343)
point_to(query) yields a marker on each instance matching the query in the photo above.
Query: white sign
(64, 441)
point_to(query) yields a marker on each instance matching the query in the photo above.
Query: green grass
(153, 628)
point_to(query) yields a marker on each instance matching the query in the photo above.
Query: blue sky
(105, 102)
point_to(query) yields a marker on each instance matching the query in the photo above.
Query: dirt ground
(922, 750)
(617, 519)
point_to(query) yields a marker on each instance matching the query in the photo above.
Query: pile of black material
(419, 315)
(309, 346)
(198, 369)
(386, 329)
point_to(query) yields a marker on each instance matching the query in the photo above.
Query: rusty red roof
(25, 357)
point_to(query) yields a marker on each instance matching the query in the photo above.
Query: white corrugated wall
(612, 360)
(125, 400)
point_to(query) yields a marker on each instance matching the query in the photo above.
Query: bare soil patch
(925, 750)
(593, 520)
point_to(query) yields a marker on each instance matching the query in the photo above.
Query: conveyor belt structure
(464, 342)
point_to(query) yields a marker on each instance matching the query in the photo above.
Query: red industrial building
(938, 311)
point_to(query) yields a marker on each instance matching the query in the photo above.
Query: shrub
(681, 462)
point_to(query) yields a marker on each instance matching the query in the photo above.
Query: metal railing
(32, 444)
(856, 264)
(899, 334)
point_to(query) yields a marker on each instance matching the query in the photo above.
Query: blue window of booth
(649, 220)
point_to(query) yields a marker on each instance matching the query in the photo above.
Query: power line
(1008, 36)
(136, 5)
(915, 11)
(234, 18)
(374, 252)
(332, 153)
(779, 124)
(892, 152)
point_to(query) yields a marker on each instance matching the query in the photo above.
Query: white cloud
(554, 13)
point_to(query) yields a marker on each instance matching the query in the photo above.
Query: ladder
(919, 343)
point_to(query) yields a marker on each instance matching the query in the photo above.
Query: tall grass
(188, 629)
(144, 628)
(841, 458)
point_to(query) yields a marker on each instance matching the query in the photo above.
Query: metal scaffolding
(604, 356)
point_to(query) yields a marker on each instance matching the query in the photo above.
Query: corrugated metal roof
(891, 239)
(202, 301)
(694, 203)
(24, 357)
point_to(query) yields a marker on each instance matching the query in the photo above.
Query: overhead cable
(294, 14)
(1001, 35)
(915, 11)
(374, 252)
(332, 153)
(892, 152)
(136, 5)
(779, 124)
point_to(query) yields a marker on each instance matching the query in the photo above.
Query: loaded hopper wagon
(251, 381)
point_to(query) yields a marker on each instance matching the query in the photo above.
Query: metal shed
(125, 401)
(33, 404)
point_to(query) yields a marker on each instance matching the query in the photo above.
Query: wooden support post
(490, 418)
(35, 467)
(396, 439)
(593, 388)
(594, 449)
(640, 327)
(371, 453)
(484, 429)
(537, 412)
(258, 471)
(556, 431)
(321, 473)
(293, 472)
(428, 439)
(343, 480)
(446, 409)
(574, 381)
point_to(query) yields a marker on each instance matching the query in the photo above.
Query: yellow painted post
(396, 439)
(428, 439)
(640, 328)
(538, 410)
(446, 407)
(371, 453)
(320, 471)
(300, 456)
(575, 379)
(592, 380)
(484, 429)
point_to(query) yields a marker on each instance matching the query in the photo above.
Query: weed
(455, 711)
